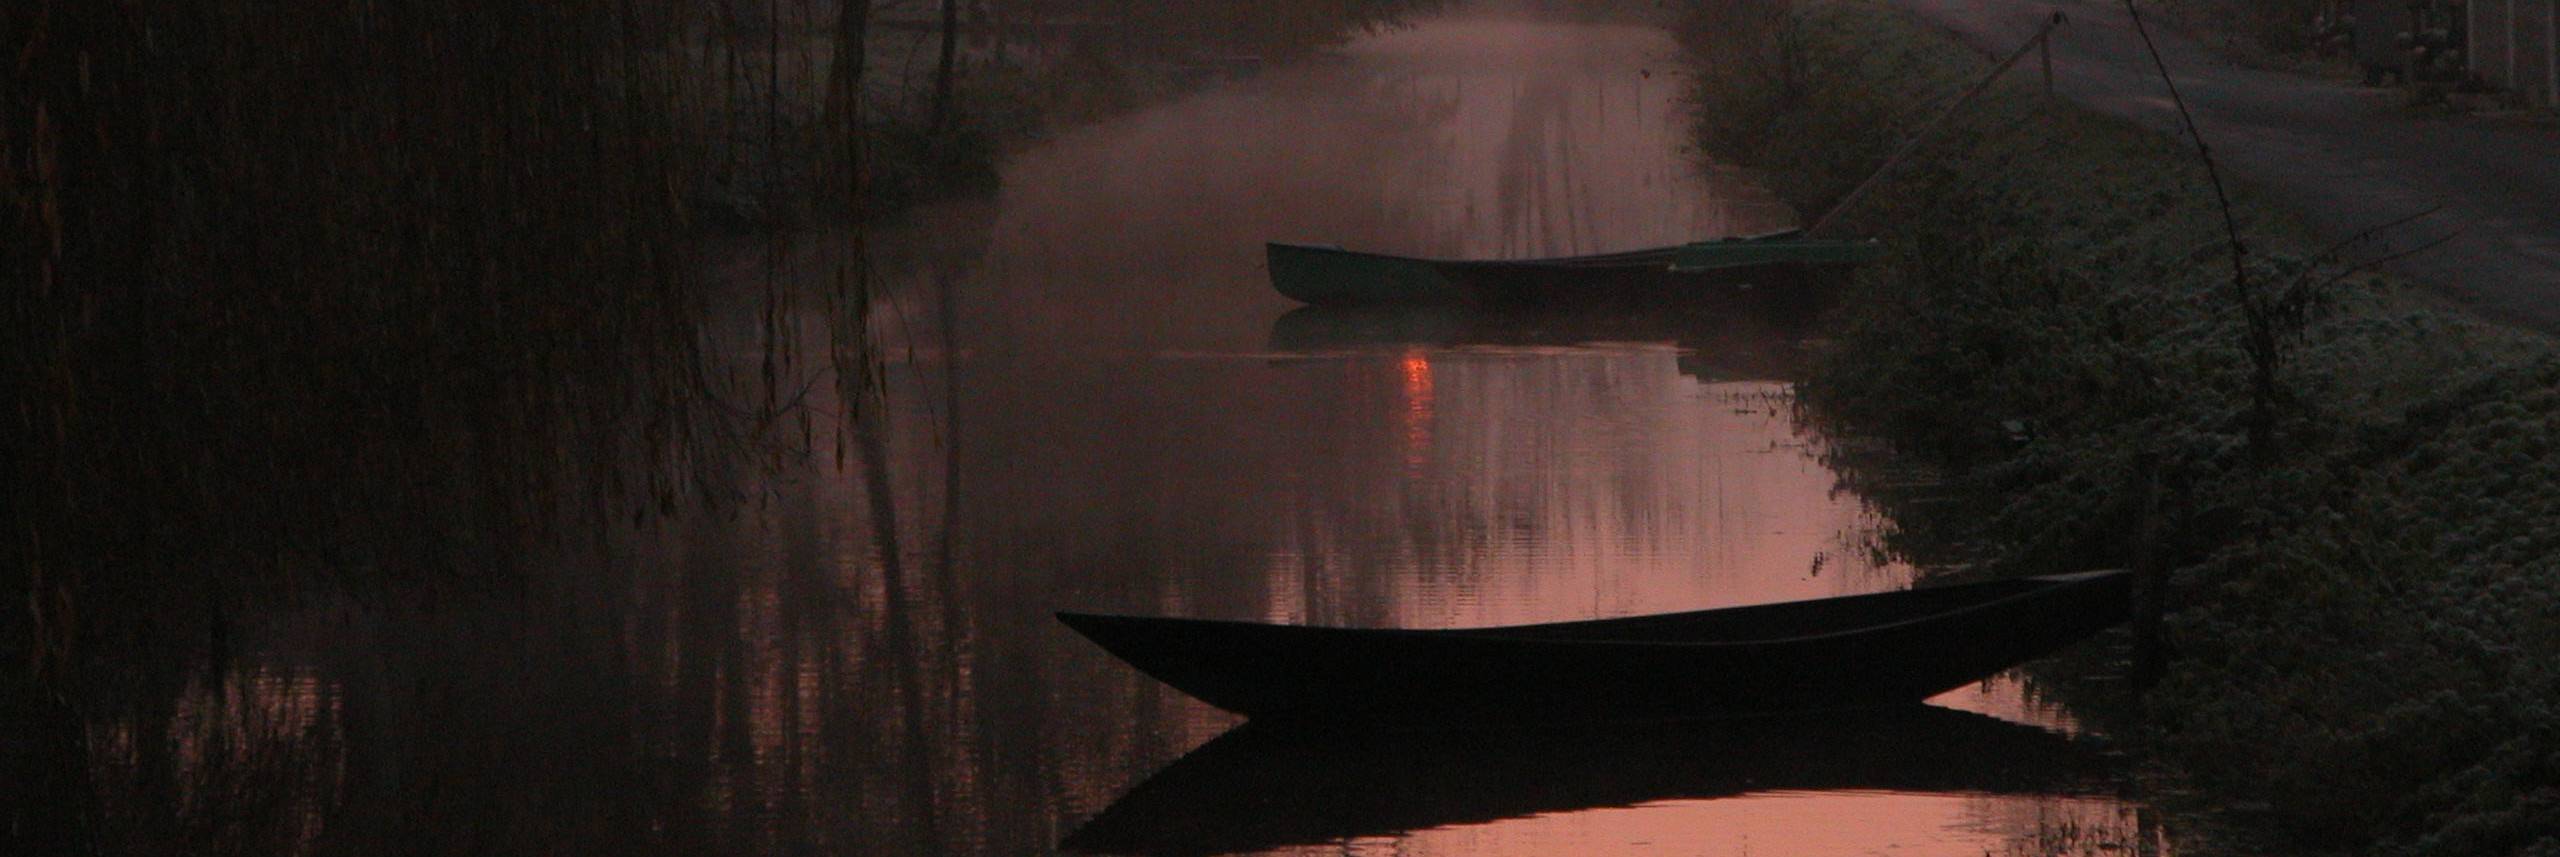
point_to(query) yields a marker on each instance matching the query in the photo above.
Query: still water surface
(1125, 418)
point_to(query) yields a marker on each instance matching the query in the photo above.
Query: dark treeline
(346, 296)
(293, 271)
(319, 301)
(311, 297)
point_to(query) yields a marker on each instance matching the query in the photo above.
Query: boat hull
(1326, 276)
(1332, 276)
(1832, 653)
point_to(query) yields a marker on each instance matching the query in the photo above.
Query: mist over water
(1126, 418)
(1463, 138)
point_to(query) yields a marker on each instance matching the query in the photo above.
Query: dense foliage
(295, 268)
(325, 291)
(365, 303)
(2367, 611)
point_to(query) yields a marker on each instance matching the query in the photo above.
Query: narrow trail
(2345, 157)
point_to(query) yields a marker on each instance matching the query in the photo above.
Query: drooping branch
(2263, 349)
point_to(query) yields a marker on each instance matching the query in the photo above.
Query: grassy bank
(2359, 498)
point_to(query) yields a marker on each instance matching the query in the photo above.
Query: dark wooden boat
(1269, 786)
(1863, 650)
(1333, 276)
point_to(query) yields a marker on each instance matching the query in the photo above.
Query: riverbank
(2354, 492)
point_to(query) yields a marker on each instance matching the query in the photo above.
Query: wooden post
(2044, 47)
(2471, 37)
(2150, 584)
(1823, 223)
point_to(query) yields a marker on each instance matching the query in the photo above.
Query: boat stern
(1332, 276)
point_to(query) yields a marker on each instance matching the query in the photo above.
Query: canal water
(1094, 401)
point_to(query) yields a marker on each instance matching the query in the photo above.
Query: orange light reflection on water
(1799, 824)
(1417, 412)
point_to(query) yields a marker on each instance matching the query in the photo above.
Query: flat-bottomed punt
(1333, 276)
(1856, 651)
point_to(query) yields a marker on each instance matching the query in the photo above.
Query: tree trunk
(942, 69)
(844, 85)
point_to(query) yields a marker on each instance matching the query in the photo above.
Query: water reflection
(1715, 341)
(1558, 483)
(267, 731)
(1259, 789)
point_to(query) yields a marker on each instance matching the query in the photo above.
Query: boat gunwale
(2048, 584)
(1668, 252)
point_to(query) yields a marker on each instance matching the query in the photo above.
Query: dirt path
(2347, 158)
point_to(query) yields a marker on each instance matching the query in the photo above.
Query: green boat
(1332, 276)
